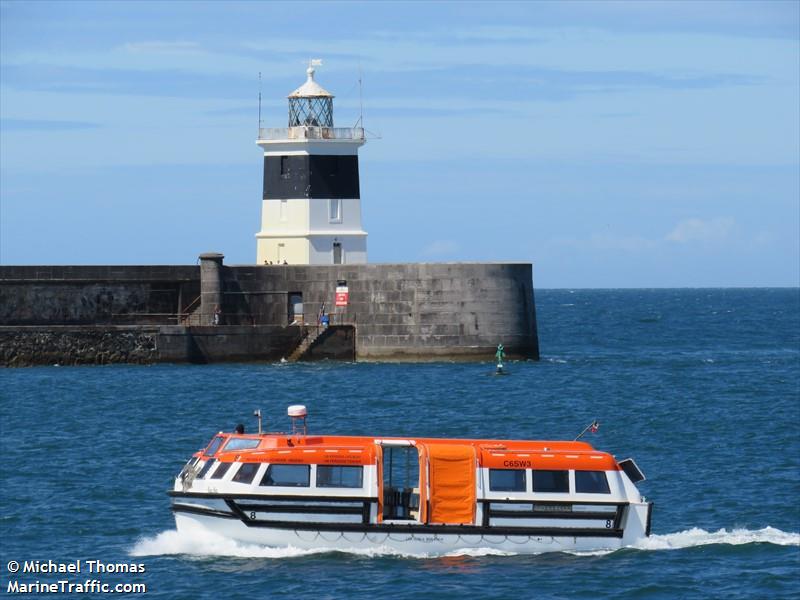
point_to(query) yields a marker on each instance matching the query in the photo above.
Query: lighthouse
(311, 202)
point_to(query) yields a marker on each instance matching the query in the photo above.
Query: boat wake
(200, 543)
(695, 537)
(735, 537)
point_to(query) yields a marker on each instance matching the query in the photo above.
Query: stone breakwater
(23, 347)
(215, 312)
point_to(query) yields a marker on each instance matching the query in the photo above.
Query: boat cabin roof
(281, 448)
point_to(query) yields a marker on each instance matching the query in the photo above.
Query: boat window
(551, 481)
(214, 446)
(287, 475)
(507, 480)
(632, 470)
(591, 482)
(241, 444)
(336, 476)
(246, 473)
(206, 468)
(221, 470)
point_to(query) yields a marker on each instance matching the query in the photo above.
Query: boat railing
(190, 316)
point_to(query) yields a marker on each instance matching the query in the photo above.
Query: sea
(700, 386)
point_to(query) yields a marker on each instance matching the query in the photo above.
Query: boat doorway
(401, 481)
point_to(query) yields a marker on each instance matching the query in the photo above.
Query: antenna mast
(360, 99)
(259, 102)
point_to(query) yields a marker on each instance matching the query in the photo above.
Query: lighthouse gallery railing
(311, 133)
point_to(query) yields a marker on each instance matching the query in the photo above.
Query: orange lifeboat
(415, 495)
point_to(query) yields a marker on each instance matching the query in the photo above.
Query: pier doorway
(295, 308)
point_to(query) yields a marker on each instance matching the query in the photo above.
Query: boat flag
(592, 427)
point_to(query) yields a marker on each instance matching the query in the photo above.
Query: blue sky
(612, 144)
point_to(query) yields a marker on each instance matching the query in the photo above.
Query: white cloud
(699, 230)
(605, 241)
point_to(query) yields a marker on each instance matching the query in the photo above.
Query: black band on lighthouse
(311, 176)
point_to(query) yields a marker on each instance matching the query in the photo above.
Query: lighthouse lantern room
(311, 203)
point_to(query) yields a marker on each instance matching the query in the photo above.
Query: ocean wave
(694, 537)
(202, 543)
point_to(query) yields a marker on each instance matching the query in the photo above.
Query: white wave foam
(479, 552)
(202, 543)
(589, 552)
(700, 537)
(206, 543)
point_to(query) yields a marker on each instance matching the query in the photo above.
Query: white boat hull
(416, 543)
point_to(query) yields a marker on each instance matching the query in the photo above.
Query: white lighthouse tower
(311, 206)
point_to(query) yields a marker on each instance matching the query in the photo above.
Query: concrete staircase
(191, 314)
(192, 318)
(312, 337)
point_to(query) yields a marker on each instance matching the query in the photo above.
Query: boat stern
(636, 524)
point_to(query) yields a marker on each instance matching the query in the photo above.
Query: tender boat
(414, 495)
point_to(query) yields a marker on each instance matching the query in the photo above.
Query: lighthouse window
(335, 210)
(335, 476)
(551, 481)
(591, 482)
(285, 167)
(246, 473)
(507, 480)
(287, 475)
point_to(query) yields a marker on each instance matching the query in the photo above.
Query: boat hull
(418, 542)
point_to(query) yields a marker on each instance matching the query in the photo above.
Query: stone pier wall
(93, 295)
(417, 311)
